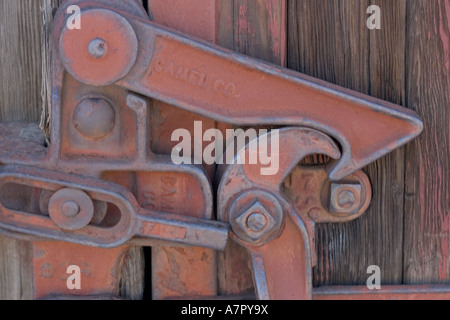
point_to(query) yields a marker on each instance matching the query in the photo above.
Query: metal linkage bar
(71, 208)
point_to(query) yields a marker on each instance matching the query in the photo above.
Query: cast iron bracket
(104, 76)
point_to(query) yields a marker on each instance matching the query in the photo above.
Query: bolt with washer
(256, 216)
(345, 198)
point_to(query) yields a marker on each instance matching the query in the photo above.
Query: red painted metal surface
(115, 230)
(151, 200)
(100, 270)
(181, 272)
(194, 17)
(283, 256)
(185, 74)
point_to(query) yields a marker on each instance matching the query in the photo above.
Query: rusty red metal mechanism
(99, 187)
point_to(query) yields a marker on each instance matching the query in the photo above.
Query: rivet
(98, 48)
(94, 118)
(70, 209)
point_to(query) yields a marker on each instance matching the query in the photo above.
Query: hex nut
(256, 216)
(345, 198)
(254, 212)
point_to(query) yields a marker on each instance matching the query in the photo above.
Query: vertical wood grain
(20, 60)
(20, 74)
(16, 278)
(48, 9)
(182, 272)
(329, 39)
(25, 27)
(427, 217)
(256, 28)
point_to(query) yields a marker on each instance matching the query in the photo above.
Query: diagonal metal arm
(233, 88)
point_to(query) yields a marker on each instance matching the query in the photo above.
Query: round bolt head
(257, 222)
(314, 213)
(94, 118)
(63, 205)
(84, 56)
(70, 209)
(345, 198)
(98, 48)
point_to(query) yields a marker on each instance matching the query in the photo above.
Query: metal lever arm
(134, 221)
(229, 87)
(279, 237)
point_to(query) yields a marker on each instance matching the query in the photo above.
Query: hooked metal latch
(103, 78)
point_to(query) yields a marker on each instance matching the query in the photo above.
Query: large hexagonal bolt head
(345, 198)
(256, 221)
(255, 216)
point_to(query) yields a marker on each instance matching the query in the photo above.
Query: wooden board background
(20, 87)
(406, 231)
(329, 39)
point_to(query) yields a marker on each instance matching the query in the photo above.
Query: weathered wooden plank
(48, 9)
(427, 218)
(15, 269)
(20, 60)
(256, 28)
(24, 71)
(194, 17)
(20, 71)
(329, 39)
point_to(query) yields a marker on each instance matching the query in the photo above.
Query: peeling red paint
(173, 278)
(277, 28)
(243, 25)
(195, 17)
(445, 31)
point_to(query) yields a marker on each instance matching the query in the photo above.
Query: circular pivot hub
(71, 209)
(103, 51)
(94, 118)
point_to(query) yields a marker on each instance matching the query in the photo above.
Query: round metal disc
(119, 47)
(133, 7)
(72, 222)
